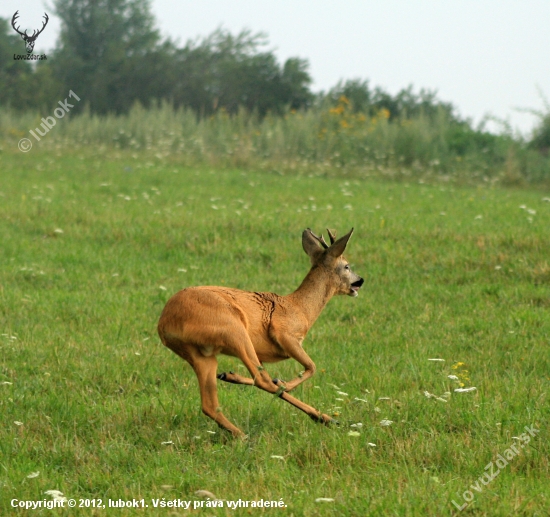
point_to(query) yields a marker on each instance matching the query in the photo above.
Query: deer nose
(358, 283)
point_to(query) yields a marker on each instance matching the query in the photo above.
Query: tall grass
(323, 141)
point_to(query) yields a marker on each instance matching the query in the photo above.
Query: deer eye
(346, 267)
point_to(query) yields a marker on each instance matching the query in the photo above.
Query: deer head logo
(29, 40)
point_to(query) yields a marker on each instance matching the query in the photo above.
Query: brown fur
(199, 323)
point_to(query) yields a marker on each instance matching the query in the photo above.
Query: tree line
(111, 54)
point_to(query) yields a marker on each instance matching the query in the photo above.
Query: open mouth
(356, 286)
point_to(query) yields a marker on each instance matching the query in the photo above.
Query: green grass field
(94, 242)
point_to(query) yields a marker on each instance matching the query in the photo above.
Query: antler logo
(29, 40)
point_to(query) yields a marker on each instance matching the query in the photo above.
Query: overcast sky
(484, 56)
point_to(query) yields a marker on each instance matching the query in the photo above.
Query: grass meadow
(95, 240)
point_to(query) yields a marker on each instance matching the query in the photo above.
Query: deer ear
(336, 249)
(311, 246)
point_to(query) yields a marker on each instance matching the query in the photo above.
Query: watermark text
(494, 468)
(25, 144)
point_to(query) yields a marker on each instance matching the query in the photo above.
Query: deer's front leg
(293, 347)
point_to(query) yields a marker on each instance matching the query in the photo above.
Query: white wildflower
(453, 377)
(437, 359)
(343, 393)
(465, 390)
(324, 500)
(33, 474)
(56, 495)
(275, 457)
(354, 433)
(386, 422)
(206, 493)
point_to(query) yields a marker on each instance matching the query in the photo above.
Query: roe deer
(199, 323)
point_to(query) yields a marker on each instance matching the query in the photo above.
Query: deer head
(344, 280)
(29, 40)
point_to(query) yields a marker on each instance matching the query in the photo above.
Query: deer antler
(34, 36)
(332, 236)
(320, 240)
(16, 29)
(24, 35)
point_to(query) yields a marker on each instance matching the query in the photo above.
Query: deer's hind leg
(235, 378)
(205, 368)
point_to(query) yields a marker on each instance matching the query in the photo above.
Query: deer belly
(269, 352)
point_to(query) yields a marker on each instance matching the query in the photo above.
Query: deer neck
(313, 294)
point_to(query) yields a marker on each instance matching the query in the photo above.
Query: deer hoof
(222, 376)
(327, 420)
